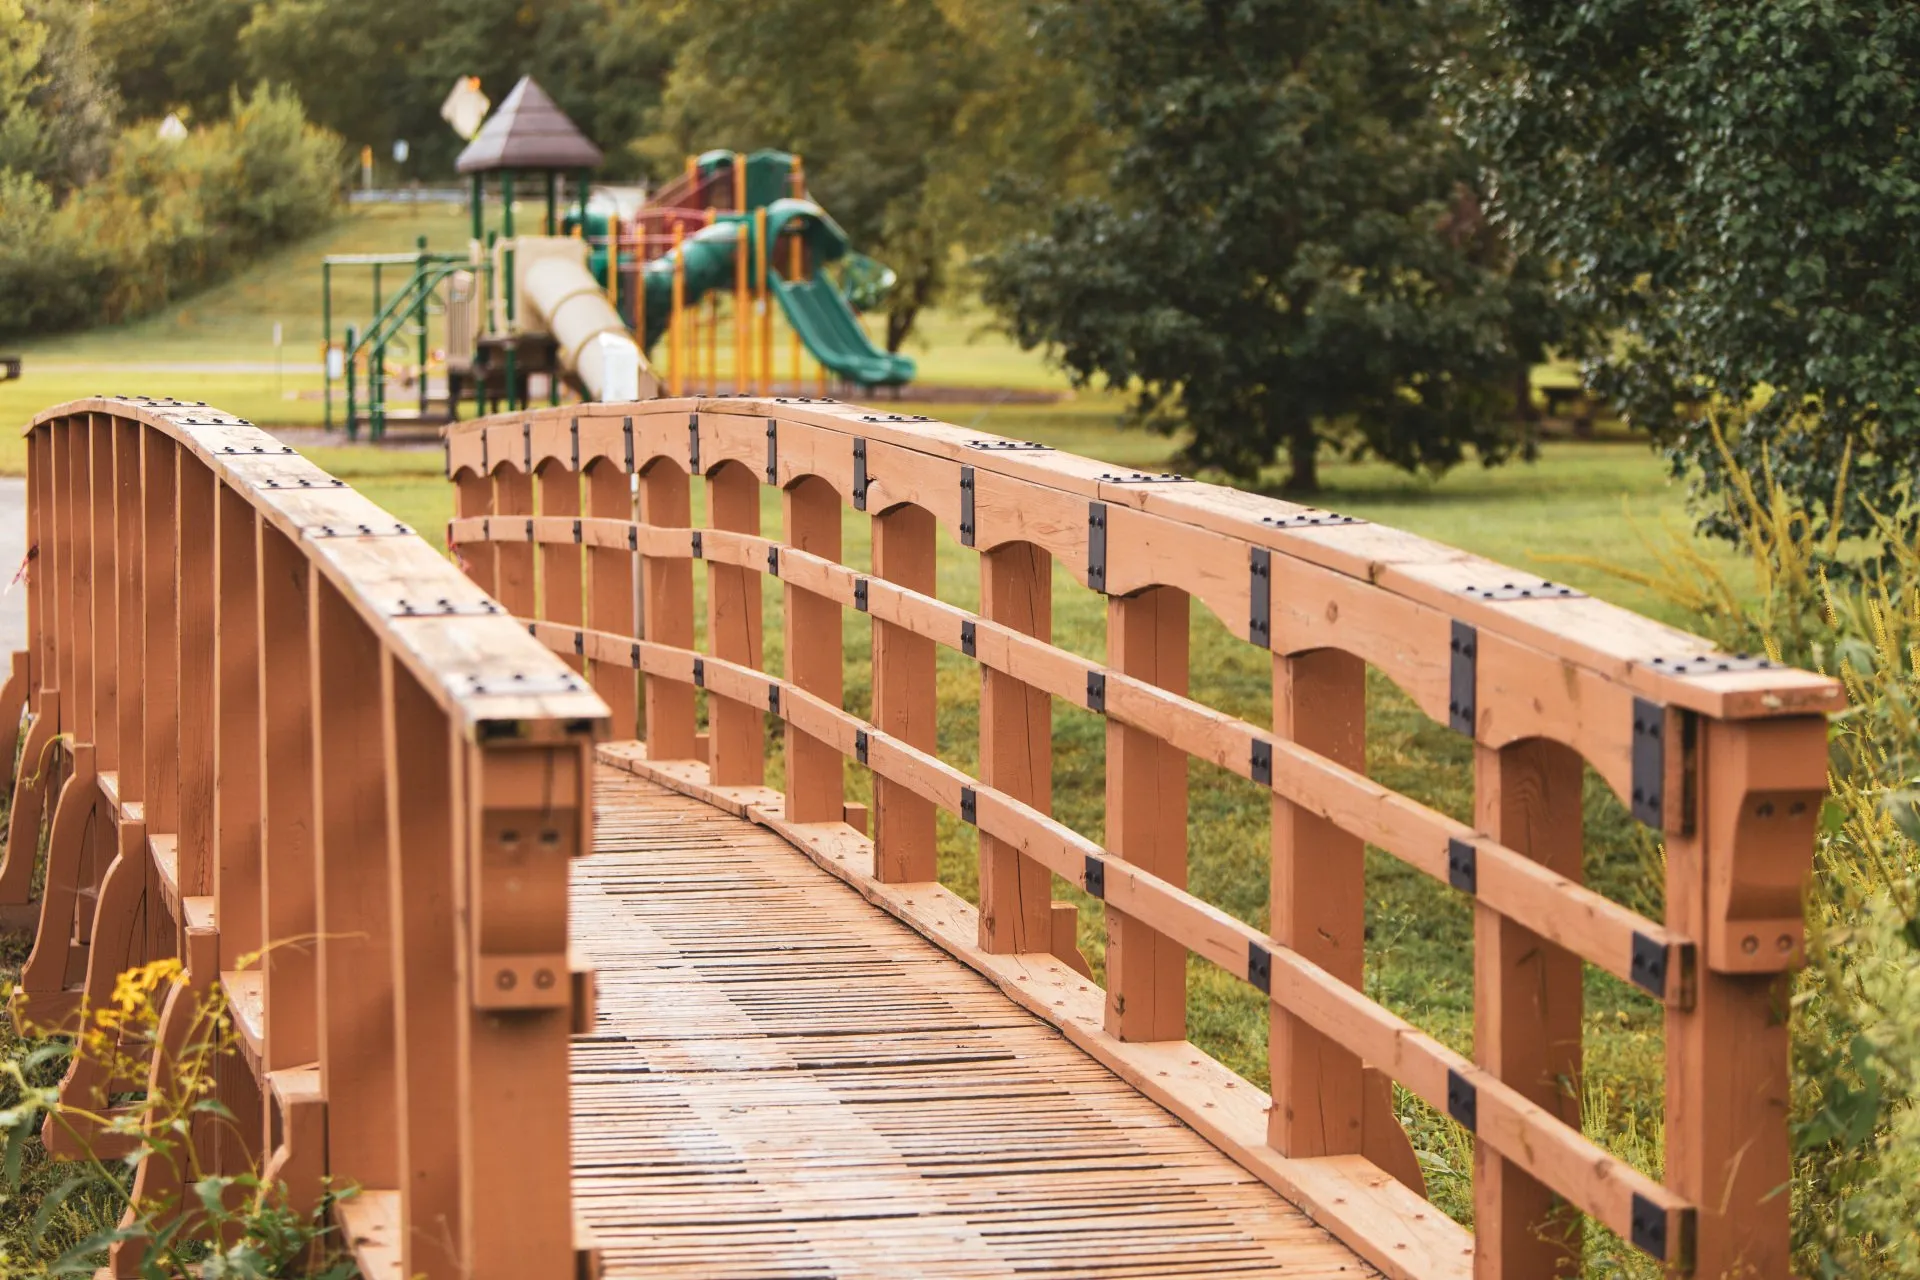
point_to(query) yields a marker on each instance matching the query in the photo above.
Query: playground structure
(583, 302)
(262, 710)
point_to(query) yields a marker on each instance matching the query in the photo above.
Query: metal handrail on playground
(291, 745)
(1723, 758)
(426, 272)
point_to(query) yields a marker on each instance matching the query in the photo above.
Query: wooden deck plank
(785, 1081)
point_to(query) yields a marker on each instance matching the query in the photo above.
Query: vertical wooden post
(904, 702)
(1760, 785)
(132, 577)
(59, 567)
(236, 736)
(1147, 818)
(666, 502)
(80, 576)
(513, 561)
(816, 779)
(420, 748)
(526, 814)
(1527, 1009)
(610, 594)
(159, 495)
(473, 496)
(560, 562)
(1016, 751)
(737, 741)
(194, 614)
(1324, 1101)
(104, 643)
(288, 917)
(354, 964)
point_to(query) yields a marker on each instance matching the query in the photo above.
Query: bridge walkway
(782, 1079)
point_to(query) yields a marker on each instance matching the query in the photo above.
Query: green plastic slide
(819, 313)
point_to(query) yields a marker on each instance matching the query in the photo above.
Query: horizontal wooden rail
(580, 521)
(297, 749)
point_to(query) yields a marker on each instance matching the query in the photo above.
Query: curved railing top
(882, 460)
(489, 675)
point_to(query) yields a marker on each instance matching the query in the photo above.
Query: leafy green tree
(1731, 192)
(903, 111)
(1291, 252)
(167, 55)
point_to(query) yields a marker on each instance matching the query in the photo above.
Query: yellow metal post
(766, 300)
(713, 332)
(742, 299)
(796, 264)
(676, 378)
(613, 263)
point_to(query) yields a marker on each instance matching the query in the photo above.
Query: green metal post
(479, 200)
(420, 316)
(506, 203)
(326, 352)
(376, 356)
(553, 185)
(353, 421)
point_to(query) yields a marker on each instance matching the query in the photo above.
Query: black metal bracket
(1462, 702)
(773, 699)
(1463, 866)
(626, 436)
(580, 642)
(1096, 691)
(1647, 966)
(890, 417)
(303, 482)
(1522, 589)
(1311, 518)
(529, 529)
(526, 443)
(577, 537)
(699, 551)
(485, 470)
(1260, 596)
(773, 562)
(969, 807)
(253, 451)
(1649, 761)
(573, 434)
(1710, 664)
(1260, 967)
(966, 506)
(860, 594)
(1141, 477)
(1009, 446)
(693, 443)
(859, 475)
(1649, 1227)
(633, 537)
(1096, 877)
(1262, 763)
(860, 745)
(699, 673)
(381, 530)
(1097, 546)
(773, 451)
(1463, 1100)
(968, 640)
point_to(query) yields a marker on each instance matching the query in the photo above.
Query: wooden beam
(816, 778)
(905, 702)
(737, 742)
(1016, 752)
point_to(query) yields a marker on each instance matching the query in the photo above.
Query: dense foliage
(1729, 191)
(1292, 249)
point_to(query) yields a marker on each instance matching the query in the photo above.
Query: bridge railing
(292, 746)
(580, 521)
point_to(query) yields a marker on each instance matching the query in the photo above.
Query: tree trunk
(1303, 459)
(899, 325)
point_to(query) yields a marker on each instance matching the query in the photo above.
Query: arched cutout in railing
(1540, 678)
(338, 782)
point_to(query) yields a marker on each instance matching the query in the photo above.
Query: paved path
(785, 1082)
(13, 548)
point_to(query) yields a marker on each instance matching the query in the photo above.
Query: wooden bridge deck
(785, 1081)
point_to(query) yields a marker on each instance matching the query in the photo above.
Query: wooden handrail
(295, 748)
(1721, 755)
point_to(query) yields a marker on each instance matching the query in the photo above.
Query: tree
(903, 112)
(1292, 251)
(1730, 190)
(167, 55)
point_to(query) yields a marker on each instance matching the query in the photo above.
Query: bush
(168, 216)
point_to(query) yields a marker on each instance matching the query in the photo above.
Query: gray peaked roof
(528, 132)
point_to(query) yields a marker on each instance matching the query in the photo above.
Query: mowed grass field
(1581, 500)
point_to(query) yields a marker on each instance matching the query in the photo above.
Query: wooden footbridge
(521, 942)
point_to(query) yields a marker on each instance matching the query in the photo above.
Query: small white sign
(401, 151)
(466, 107)
(619, 368)
(336, 363)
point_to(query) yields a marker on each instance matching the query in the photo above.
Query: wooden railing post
(104, 642)
(513, 561)
(1147, 818)
(1527, 1008)
(473, 496)
(288, 918)
(737, 732)
(560, 562)
(904, 698)
(128, 525)
(1734, 882)
(422, 823)
(1325, 1101)
(236, 739)
(610, 594)
(526, 812)
(667, 585)
(196, 689)
(1016, 752)
(816, 779)
(355, 966)
(160, 639)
